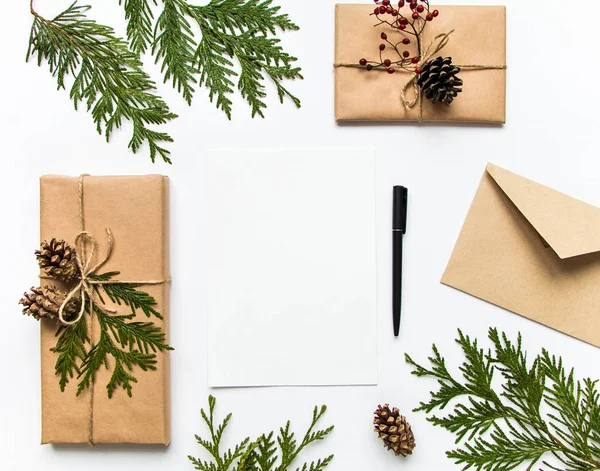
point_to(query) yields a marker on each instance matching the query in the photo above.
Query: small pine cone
(394, 430)
(44, 303)
(57, 259)
(438, 80)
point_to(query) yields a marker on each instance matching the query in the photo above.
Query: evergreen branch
(259, 455)
(287, 443)
(238, 15)
(229, 28)
(130, 344)
(215, 71)
(449, 388)
(107, 76)
(501, 453)
(502, 431)
(71, 350)
(131, 297)
(173, 46)
(265, 453)
(126, 293)
(140, 18)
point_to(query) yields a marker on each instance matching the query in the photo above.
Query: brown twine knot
(436, 45)
(83, 240)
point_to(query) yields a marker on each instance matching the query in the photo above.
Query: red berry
(388, 10)
(386, 2)
(403, 20)
(402, 26)
(383, 36)
(420, 8)
(406, 41)
(429, 17)
(413, 5)
(418, 70)
(363, 62)
(394, 12)
(390, 70)
(406, 54)
(387, 62)
(381, 47)
(415, 15)
(400, 3)
(436, 13)
(376, 11)
(415, 60)
(382, 10)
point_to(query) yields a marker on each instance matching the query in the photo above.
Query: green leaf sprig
(107, 75)
(541, 417)
(125, 342)
(260, 454)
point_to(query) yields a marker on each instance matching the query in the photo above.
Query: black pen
(398, 231)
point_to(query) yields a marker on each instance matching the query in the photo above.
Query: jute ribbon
(435, 46)
(85, 246)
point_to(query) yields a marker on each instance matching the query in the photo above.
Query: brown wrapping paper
(479, 38)
(135, 208)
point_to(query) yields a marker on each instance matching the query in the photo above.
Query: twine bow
(436, 45)
(84, 287)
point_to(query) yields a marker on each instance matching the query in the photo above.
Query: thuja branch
(128, 343)
(107, 77)
(262, 453)
(230, 29)
(505, 429)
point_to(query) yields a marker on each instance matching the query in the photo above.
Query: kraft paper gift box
(136, 210)
(479, 38)
(531, 250)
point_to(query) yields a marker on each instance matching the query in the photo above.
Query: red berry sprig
(409, 18)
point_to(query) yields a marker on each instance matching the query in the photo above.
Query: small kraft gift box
(409, 61)
(103, 305)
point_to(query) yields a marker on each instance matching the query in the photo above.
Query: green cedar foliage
(195, 46)
(541, 417)
(107, 77)
(122, 343)
(240, 29)
(262, 453)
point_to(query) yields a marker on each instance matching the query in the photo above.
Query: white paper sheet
(291, 268)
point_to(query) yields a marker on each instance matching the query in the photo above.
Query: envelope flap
(571, 227)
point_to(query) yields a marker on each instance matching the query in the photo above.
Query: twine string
(85, 250)
(435, 46)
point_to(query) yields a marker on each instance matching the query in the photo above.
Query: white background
(551, 136)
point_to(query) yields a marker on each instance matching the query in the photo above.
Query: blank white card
(291, 268)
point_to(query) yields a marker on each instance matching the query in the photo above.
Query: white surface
(292, 260)
(551, 136)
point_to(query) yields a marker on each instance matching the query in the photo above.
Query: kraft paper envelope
(531, 250)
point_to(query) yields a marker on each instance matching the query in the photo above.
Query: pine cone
(438, 80)
(44, 303)
(57, 259)
(394, 430)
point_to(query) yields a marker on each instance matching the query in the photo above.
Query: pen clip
(400, 208)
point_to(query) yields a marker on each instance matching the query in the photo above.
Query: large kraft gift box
(135, 208)
(479, 38)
